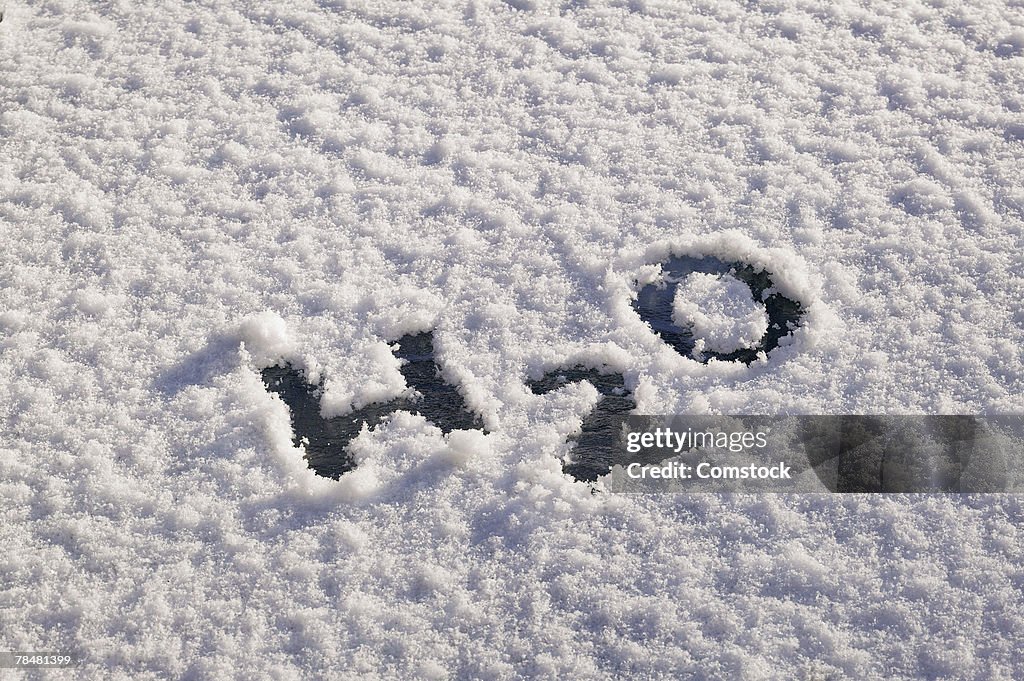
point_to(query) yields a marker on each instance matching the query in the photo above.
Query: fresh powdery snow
(721, 312)
(191, 192)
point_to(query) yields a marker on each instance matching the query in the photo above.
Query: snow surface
(192, 191)
(720, 312)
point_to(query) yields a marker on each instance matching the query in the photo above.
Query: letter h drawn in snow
(326, 440)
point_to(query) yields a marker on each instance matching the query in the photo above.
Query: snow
(190, 192)
(720, 312)
(265, 337)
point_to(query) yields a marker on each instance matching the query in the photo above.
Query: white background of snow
(316, 179)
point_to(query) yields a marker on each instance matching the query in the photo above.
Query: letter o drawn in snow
(657, 306)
